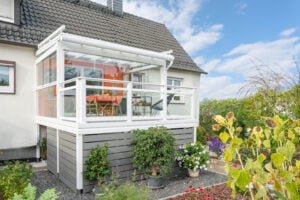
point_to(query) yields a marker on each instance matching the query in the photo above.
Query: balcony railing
(98, 100)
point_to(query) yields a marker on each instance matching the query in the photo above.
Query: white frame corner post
(79, 161)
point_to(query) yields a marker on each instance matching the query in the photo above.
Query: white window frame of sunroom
(11, 4)
(60, 42)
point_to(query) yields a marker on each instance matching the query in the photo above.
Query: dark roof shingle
(82, 17)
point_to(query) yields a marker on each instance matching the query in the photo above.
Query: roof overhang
(71, 42)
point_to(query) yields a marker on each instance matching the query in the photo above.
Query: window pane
(6, 9)
(169, 82)
(4, 76)
(177, 83)
(46, 70)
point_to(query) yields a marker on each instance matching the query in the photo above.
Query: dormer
(10, 11)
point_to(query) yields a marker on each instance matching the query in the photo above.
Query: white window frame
(9, 18)
(142, 80)
(174, 89)
(11, 89)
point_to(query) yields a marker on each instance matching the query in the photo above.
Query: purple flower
(216, 146)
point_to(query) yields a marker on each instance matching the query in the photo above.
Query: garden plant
(271, 168)
(29, 193)
(97, 165)
(193, 156)
(153, 150)
(14, 178)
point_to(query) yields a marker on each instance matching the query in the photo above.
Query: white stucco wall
(17, 111)
(189, 79)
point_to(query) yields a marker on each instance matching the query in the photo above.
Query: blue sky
(229, 38)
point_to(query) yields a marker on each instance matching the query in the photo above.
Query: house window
(7, 77)
(7, 10)
(138, 79)
(47, 70)
(174, 84)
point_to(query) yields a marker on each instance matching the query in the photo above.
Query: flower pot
(193, 173)
(155, 182)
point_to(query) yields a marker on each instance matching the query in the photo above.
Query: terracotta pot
(193, 173)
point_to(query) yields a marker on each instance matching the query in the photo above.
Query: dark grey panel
(51, 150)
(67, 159)
(21, 153)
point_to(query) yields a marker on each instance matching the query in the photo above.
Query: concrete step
(39, 166)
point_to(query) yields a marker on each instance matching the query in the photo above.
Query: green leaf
(277, 159)
(228, 155)
(292, 189)
(243, 179)
(261, 158)
(224, 137)
(267, 144)
(289, 150)
(269, 167)
(279, 195)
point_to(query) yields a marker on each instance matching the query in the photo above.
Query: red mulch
(217, 192)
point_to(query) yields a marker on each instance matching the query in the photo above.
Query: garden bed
(216, 192)
(174, 184)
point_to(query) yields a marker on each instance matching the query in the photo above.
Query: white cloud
(287, 32)
(240, 8)
(242, 61)
(178, 16)
(221, 87)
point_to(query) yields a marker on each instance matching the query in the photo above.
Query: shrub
(127, 191)
(14, 178)
(30, 194)
(97, 165)
(153, 150)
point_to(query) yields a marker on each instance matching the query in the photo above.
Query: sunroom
(92, 91)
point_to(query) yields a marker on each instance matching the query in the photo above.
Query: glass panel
(69, 98)
(47, 102)
(180, 105)
(46, 72)
(4, 75)
(177, 83)
(146, 104)
(112, 103)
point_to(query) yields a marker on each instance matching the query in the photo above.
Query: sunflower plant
(272, 168)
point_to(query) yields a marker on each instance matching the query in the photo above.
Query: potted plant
(43, 148)
(153, 151)
(97, 166)
(193, 156)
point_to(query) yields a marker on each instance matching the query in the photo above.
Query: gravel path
(174, 184)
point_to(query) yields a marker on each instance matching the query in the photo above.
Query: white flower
(207, 161)
(205, 168)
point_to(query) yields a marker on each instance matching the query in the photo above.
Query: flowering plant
(216, 146)
(193, 156)
(196, 193)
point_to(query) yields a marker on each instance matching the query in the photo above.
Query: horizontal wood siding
(120, 151)
(51, 150)
(67, 159)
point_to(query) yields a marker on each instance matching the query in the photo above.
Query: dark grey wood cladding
(51, 150)
(67, 159)
(120, 151)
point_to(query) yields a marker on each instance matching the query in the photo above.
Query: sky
(229, 39)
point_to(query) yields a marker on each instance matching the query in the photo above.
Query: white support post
(129, 102)
(37, 152)
(79, 162)
(163, 77)
(57, 151)
(60, 77)
(81, 100)
(195, 133)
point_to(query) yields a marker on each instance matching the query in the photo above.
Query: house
(80, 74)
